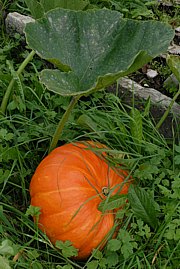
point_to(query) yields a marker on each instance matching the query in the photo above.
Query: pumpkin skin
(68, 187)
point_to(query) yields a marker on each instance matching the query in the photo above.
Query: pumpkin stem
(105, 191)
(62, 122)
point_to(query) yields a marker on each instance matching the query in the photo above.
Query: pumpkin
(68, 185)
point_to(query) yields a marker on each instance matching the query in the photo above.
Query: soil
(157, 82)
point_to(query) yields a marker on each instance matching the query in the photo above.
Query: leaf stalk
(62, 122)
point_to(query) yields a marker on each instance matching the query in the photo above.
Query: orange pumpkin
(68, 185)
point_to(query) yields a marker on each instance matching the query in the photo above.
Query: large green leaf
(112, 202)
(143, 205)
(94, 47)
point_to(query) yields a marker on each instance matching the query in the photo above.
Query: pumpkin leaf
(93, 48)
(143, 205)
(112, 202)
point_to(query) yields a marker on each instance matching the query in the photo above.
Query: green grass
(25, 133)
(152, 161)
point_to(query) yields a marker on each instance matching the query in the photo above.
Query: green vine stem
(168, 110)
(62, 122)
(11, 84)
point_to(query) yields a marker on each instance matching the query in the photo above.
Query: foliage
(39, 8)
(67, 249)
(94, 58)
(131, 9)
(25, 132)
(174, 64)
(142, 205)
(155, 169)
(93, 52)
(139, 9)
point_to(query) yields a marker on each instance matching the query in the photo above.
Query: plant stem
(62, 122)
(11, 84)
(168, 110)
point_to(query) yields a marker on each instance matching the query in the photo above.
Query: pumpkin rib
(64, 190)
(92, 242)
(73, 228)
(73, 205)
(92, 234)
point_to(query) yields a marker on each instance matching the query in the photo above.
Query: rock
(129, 90)
(16, 22)
(174, 49)
(151, 73)
(156, 97)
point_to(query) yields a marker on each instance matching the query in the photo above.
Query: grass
(25, 133)
(152, 161)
